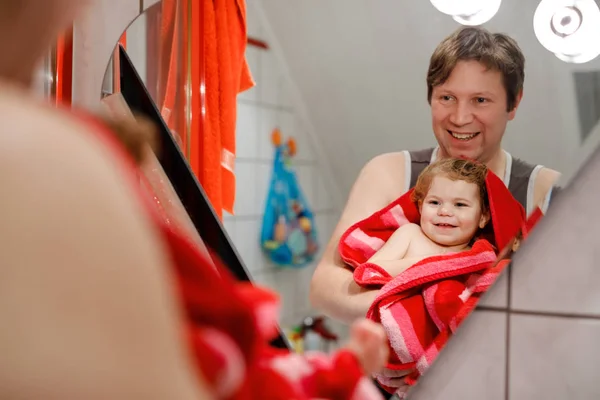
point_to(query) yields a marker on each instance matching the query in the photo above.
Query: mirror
(347, 81)
(160, 61)
(353, 78)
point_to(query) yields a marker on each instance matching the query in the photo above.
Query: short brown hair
(496, 51)
(456, 169)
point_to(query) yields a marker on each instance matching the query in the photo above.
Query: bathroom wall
(272, 103)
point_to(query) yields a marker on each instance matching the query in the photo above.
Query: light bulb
(488, 12)
(459, 7)
(569, 28)
(579, 58)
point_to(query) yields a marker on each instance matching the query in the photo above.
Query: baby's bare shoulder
(408, 230)
(411, 227)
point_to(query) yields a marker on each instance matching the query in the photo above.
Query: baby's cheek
(470, 226)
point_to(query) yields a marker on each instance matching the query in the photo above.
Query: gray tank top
(519, 175)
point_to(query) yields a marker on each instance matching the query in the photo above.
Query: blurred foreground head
(28, 28)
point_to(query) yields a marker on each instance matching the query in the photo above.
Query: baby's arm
(396, 246)
(392, 256)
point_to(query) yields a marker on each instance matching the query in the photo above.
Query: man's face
(468, 112)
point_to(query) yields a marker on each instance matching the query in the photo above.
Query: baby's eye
(461, 205)
(433, 202)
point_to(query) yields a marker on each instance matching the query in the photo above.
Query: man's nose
(462, 114)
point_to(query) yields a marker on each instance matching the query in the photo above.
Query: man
(474, 86)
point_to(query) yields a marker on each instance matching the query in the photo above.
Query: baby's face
(451, 212)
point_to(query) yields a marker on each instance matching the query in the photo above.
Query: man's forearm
(339, 297)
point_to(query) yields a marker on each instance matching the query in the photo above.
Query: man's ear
(512, 113)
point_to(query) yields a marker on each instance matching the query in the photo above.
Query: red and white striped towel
(421, 307)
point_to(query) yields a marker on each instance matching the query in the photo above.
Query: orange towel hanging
(63, 76)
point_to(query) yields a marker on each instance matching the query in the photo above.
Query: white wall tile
(304, 176)
(264, 263)
(287, 124)
(247, 243)
(323, 198)
(229, 225)
(254, 27)
(264, 172)
(305, 151)
(266, 279)
(271, 79)
(268, 121)
(303, 306)
(287, 283)
(554, 358)
(324, 229)
(285, 96)
(246, 131)
(245, 202)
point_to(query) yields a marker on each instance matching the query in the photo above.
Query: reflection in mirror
(168, 179)
(362, 108)
(43, 83)
(161, 63)
(368, 106)
(53, 79)
(136, 80)
(156, 184)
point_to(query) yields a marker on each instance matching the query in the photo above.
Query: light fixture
(459, 7)
(468, 12)
(569, 28)
(489, 10)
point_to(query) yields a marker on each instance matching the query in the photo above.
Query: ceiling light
(569, 28)
(489, 10)
(459, 7)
